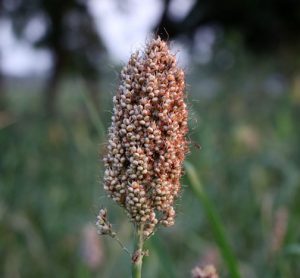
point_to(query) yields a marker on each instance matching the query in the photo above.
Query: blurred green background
(243, 88)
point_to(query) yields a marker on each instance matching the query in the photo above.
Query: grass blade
(215, 221)
(94, 115)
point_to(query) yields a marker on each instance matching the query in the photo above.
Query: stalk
(146, 144)
(137, 257)
(215, 221)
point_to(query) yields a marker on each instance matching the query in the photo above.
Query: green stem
(137, 257)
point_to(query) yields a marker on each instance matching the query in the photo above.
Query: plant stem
(137, 257)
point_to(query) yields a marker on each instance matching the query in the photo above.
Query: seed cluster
(103, 226)
(147, 139)
(208, 271)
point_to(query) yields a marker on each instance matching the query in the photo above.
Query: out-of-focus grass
(247, 122)
(215, 221)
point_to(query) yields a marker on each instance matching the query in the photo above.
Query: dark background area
(243, 85)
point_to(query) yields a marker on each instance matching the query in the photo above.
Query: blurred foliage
(67, 30)
(215, 221)
(245, 137)
(245, 134)
(64, 28)
(264, 26)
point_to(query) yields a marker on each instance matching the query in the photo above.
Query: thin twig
(121, 245)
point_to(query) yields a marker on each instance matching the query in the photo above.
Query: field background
(240, 201)
(248, 163)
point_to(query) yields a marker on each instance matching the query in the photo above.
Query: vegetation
(245, 137)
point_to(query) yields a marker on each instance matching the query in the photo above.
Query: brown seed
(147, 143)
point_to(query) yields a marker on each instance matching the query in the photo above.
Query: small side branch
(121, 245)
(104, 227)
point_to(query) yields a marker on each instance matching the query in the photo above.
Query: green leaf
(215, 221)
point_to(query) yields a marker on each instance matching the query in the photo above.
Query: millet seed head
(147, 138)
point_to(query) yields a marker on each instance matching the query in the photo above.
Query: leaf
(215, 221)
